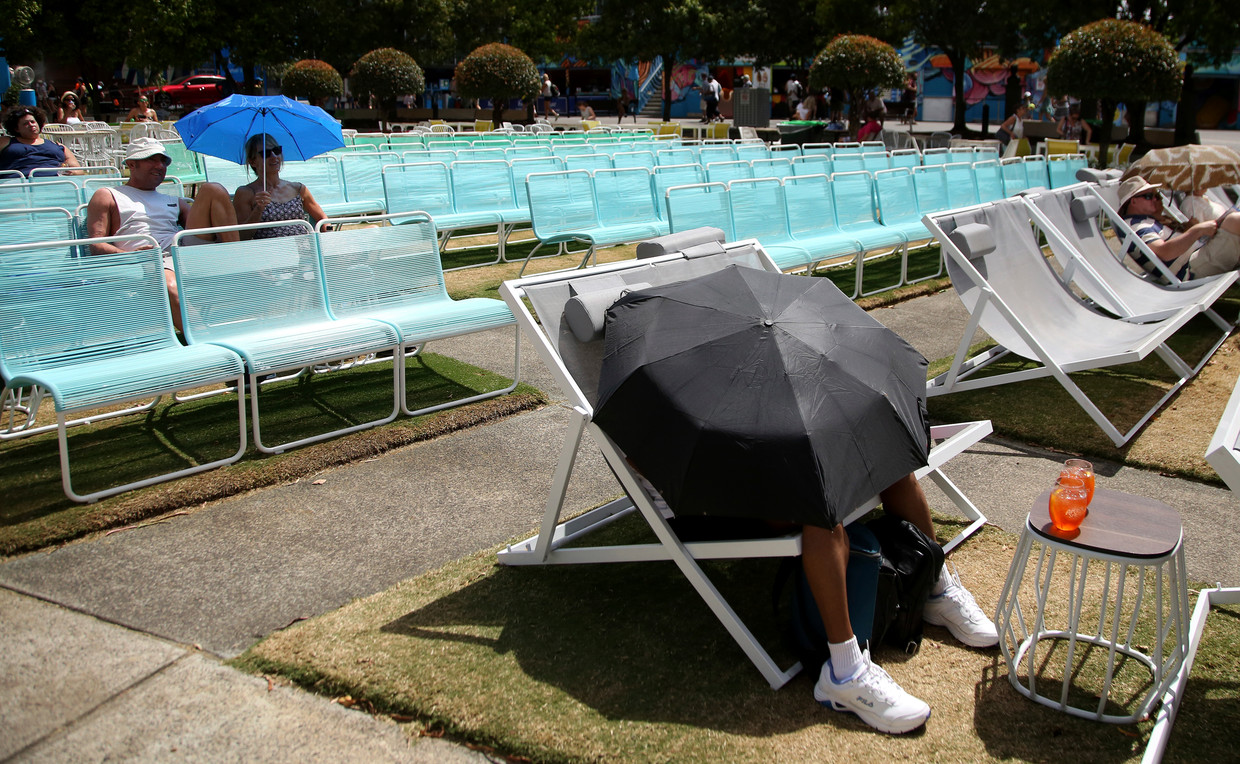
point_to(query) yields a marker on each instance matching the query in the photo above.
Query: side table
(1135, 637)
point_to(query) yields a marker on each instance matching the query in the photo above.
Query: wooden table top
(1118, 523)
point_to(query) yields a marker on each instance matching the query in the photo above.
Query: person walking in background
(624, 103)
(712, 93)
(793, 91)
(547, 93)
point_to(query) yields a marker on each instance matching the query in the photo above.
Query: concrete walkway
(113, 645)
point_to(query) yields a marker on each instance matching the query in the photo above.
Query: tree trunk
(497, 112)
(1104, 132)
(247, 72)
(1186, 110)
(856, 104)
(667, 88)
(958, 123)
(1136, 121)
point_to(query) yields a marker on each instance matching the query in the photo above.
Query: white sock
(845, 659)
(940, 583)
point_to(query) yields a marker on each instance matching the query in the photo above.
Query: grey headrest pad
(586, 313)
(704, 249)
(1085, 208)
(974, 239)
(1091, 175)
(677, 242)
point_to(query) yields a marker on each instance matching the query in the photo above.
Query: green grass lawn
(36, 512)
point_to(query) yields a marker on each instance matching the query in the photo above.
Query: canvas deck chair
(1068, 218)
(576, 366)
(1223, 454)
(1011, 293)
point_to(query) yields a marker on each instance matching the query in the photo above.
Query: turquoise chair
(698, 205)
(725, 172)
(263, 299)
(666, 176)
(94, 333)
(813, 224)
(760, 212)
(392, 273)
(627, 208)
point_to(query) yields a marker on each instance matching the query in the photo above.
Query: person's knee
(211, 192)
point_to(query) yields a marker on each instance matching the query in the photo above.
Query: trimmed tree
(498, 72)
(856, 63)
(387, 73)
(313, 80)
(1112, 61)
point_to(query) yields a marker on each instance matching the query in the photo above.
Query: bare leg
(824, 556)
(905, 499)
(174, 300)
(212, 208)
(1230, 224)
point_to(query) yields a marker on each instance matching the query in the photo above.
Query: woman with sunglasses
(142, 112)
(269, 197)
(25, 148)
(69, 111)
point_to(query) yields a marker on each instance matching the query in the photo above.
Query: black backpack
(911, 564)
(891, 570)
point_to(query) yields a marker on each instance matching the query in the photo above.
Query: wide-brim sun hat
(67, 95)
(1134, 186)
(144, 148)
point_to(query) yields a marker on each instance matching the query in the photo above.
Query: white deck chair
(576, 366)
(1011, 292)
(1223, 454)
(1068, 218)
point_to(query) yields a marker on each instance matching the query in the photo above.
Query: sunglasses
(1151, 196)
(274, 151)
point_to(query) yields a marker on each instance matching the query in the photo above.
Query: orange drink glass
(1083, 471)
(1068, 504)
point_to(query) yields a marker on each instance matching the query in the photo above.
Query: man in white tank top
(139, 208)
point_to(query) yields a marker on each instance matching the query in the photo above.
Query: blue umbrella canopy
(222, 128)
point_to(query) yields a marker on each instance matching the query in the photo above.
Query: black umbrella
(746, 393)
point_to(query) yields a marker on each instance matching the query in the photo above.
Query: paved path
(112, 646)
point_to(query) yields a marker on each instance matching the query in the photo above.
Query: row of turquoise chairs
(466, 194)
(801, 221)
(95, 332)
(342, 184)
(66, 193)
(869, 210)
(385, 140)
(601, 208)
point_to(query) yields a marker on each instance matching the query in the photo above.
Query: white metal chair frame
(548, 547)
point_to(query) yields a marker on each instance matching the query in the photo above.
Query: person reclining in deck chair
(1142, 206)
(849, 681)
(138, 207)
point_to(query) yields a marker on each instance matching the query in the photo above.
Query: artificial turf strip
(36, 513)
(624, 662)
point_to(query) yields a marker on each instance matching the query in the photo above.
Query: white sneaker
(956, 609)
(874, 696)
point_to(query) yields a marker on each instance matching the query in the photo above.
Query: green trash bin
(801, 132)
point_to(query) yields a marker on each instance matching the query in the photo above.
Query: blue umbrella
(222, 128)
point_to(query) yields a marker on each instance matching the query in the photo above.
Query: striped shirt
(1149, 230)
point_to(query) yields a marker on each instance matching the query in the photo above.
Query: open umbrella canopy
(745, 393)
(1190, 168)
(222, 128)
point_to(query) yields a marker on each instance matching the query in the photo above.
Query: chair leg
(67, 483)
(254, 392)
